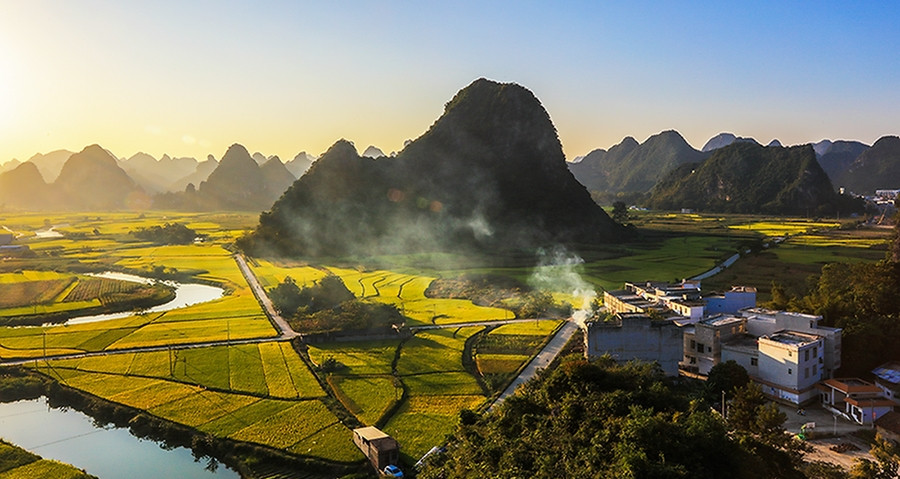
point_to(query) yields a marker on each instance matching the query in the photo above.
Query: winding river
(186, 294)
(109, 453)
(70, 436)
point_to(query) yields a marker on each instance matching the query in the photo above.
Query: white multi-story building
(785, 353)
(790, 365)
(762, 322)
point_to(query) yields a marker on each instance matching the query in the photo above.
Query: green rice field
(260, 393)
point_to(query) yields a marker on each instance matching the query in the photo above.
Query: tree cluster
(606, 420)
(860, 298)
(328, 306)
(170, 233)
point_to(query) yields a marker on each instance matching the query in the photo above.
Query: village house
(702, 341)
(786, 353)
(790, 365)
(636, 336)
(381, 449)
(648, 320)
(888, 426)
(7, 249)
(856, 400)
(887, 378)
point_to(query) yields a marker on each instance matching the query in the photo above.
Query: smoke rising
(559, 270)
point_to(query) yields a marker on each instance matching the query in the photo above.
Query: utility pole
(723, 404)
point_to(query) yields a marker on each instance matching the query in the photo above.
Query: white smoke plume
(558, 270)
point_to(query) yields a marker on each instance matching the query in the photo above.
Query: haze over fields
(190, 79)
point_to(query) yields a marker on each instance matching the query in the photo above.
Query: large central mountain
(745, 177)
(490, 172)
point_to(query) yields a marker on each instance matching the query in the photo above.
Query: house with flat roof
(790, 365)
(684, 299)
(703, 341)
(629, 336)
(786, 353)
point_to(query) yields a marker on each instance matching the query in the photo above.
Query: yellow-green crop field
(237, 315)
(503, 351)
(438, 387)
(429, 368)
(407, 293)
(784, 228)
(17, 463)
(271, 274)
(261, 393)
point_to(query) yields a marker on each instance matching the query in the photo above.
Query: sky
(189, 78)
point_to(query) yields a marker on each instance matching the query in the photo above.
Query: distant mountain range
(630, 170)
(630, 167)
(300, 163)
(94, 179)
(158, 176)
(490, 172)
(836, 158)
(874, 168)
(238, 182)
(633, 167)
(745, 177)
(89, 180)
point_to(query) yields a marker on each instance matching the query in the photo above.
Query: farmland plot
(194, 388)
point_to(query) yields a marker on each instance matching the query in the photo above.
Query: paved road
(541, 360)
(286, 331)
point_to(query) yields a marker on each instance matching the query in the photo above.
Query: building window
(815, 369)
(806, 355)
(790, 371)
(754, 361)
(709, 349)
(693, 344)
(693, 360)
(700, 347)
(816, 351)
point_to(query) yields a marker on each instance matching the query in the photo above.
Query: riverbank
(17, 383)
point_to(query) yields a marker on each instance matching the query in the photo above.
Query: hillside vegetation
(747, 178)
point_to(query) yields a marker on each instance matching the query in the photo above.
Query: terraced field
(407, 293)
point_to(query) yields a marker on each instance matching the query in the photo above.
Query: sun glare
(7, 95)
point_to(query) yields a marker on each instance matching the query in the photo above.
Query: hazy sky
(190, 78)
